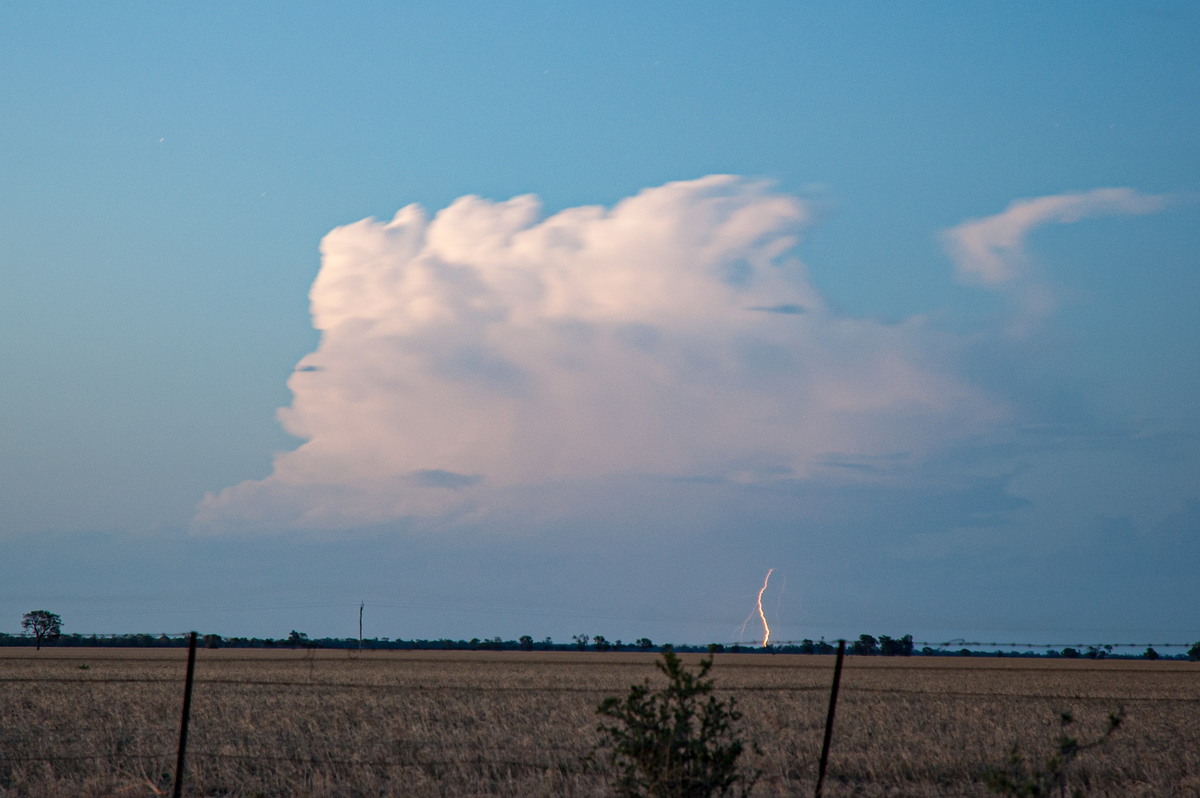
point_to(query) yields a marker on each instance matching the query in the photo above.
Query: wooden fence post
(187, 710)
(833, 694)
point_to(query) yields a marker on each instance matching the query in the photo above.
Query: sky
(506, 319)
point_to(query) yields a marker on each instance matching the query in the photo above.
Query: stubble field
(93, 722)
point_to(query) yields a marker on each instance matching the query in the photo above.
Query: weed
(1040, 782)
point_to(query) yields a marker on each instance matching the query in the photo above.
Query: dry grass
(328, 723)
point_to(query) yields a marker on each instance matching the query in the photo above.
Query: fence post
(183, 720)
(833, 694)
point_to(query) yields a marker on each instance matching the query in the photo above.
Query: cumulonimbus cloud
(991, 251)
(673, 335)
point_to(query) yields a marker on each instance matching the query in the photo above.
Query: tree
(581, 641)
(892, 647)
(1150, 653)
(865, 644)
(44, 625)
(677, 742)
(601, 643)
(526, 643)
(295, 639)
(1194, 653)
(645, 644)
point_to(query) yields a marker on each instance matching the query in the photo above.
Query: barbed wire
(961, 643)
(600, 691)
(967, 643)
(488, 760)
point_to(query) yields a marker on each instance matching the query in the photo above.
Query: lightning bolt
(761, 614)
(759, 609)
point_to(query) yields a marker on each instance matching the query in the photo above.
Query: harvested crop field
(92, 722)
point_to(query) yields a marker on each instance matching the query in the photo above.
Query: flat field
(100, 722)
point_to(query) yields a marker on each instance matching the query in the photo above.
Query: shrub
(677, 742)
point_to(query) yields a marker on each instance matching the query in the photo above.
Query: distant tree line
(866, 645)
(45, 627)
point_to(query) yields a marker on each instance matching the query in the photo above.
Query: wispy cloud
(991, 250)
(673, 336)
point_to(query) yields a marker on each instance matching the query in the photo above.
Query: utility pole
(360, 612)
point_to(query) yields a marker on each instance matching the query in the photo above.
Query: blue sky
(896, 300)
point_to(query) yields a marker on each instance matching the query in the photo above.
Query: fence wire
(146, 748)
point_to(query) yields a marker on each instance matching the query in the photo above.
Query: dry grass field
(101, 722)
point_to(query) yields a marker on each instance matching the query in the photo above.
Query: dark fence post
(833, 694)
(187, 710)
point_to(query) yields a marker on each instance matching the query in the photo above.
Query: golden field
(99, 722)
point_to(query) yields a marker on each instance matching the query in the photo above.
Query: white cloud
(991, 250)
(672, 335)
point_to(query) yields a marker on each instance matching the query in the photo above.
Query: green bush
(677, 742)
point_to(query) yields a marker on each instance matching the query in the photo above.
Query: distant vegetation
(43, 626)
(866, 645)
